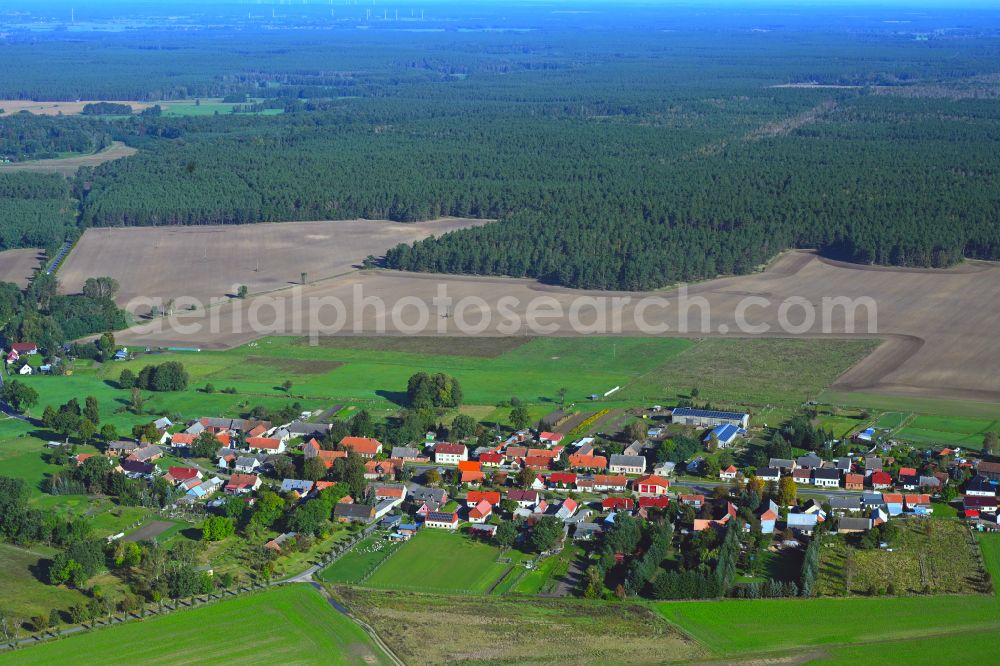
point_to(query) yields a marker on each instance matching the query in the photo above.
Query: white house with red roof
(651, 486)
(481, 512)
(728, 473)
(241, 484)
(550, 438)
(450, 454)
(265, 444)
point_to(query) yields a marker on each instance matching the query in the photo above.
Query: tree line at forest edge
(658, 170)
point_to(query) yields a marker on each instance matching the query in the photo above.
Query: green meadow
(440, 561)
(292, 624)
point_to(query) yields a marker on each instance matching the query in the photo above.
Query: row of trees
(169, 376)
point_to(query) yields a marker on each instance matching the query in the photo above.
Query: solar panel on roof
(707, 413)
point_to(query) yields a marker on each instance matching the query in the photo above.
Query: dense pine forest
(627, 158)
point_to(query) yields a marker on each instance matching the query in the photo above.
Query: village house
(277, 542)
(980, 486)
(474, 497)
(802, 475)
(623, 464)
(491, 459)
(148, 453)
(768, 516)
(265, 445)
(177, 475)
(893, 503)
(826, 478)
(382, 469)
(136, 469)
(617, 504)
(241, 484)
(853, 525)
(406, 453)
(768, 474)
(121, 448)
(661, 502)
(299, 488)
(609, 483)
(441, 520)
(854, 482)
(729, 473)
(785, 465)
(525, 499)
(450, 454)
(587, 462)
(695, 501)
(991, 470)
(246, 464)
(561, 480)
(354, 513)
(481, 512)
(810, 460)
(550, 438)
(312, 449)
(366, 447)
(881, 481)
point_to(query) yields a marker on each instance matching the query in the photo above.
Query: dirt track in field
(18, 266)
(210, 262)
(940, 326)
(67, 166)
(149, 531)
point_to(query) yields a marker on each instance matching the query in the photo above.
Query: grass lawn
(972, 647)
(738, 627)
(930, 406)
(745, 371)
(440, 561)
(841, 426)
(361, 559)
(292, 624)
(22, 594)
(965, 432)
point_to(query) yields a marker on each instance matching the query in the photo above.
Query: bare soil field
(149, 531)
(18, 266)
(940, 325)
(212, 261)
(67, 166)
(12, 106)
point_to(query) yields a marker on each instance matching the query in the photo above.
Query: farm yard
(211, 262)
(927, 557)
(435, 629)
(291, 624)
(18, 266)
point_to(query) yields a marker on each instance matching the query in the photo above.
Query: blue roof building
(725, 434)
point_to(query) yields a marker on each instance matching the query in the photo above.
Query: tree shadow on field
(395, 397)
(192, 533)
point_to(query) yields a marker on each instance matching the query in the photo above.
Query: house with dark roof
(354, 513)
(441, 520)
(826, 477)
(768, 474)
(853, 525)
(991, 470)
(980, 486)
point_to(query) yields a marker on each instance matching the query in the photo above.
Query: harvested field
(938, 323)
(67, 166)
(211, 262)
(149, 531)
(467, 630)
(12, 106)
(18, 266)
